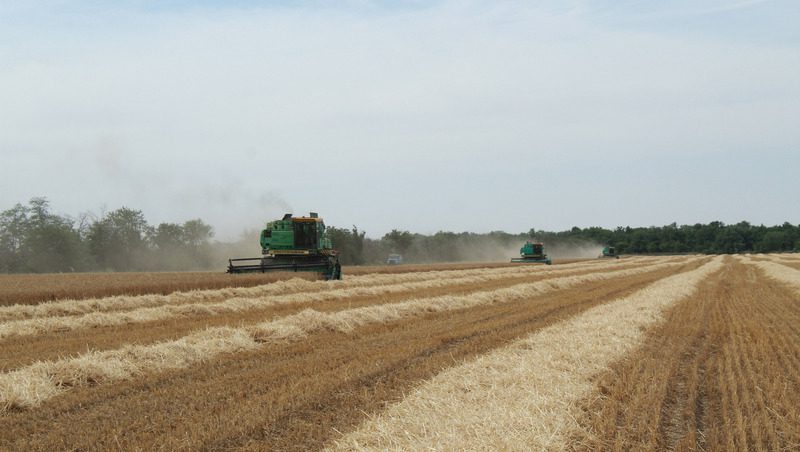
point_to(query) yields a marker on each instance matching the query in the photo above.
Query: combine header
(293, 244)
(532, 253)
(609, 252)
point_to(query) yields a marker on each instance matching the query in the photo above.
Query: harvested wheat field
(641, 353)
(37, 288)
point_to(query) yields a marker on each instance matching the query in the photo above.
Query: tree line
(712, 238)
(33, 239)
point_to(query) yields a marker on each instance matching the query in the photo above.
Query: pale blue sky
(475, 115)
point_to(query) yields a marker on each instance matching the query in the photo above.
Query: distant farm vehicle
(609, 252)
(532, 253)
(394, 259)
(293, 244)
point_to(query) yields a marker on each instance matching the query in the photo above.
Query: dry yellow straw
(31, 385)
(42, 325)
(296, 285)
(778, 272)
(523, 397)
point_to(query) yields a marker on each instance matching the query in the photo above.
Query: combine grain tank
(532, 253)
(293, 244)
(609, 252)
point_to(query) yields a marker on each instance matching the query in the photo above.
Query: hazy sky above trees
(462, 115)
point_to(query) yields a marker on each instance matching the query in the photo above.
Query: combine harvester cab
(293, 244)
(609, 252)
(532, 253)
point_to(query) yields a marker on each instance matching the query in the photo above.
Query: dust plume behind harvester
(532, 253)
(293, 244)
(609, 252)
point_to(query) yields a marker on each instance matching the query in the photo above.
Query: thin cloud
(450, 116)
(728, 6)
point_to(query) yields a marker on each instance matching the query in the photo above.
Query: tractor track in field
(721, 373)
(34, 289)
(295, 395)
(788, 262)
(19, 351)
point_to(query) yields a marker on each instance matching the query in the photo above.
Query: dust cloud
(482, 248)
(555, 249)
(573, 249)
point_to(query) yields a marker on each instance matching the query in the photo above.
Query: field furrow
(31, 385)
(35, 289)
(780, 272)
(793, 257)
(656, 353)
(42, 325)
(284, 287)
(297, 394)
(789, 261)
(524, 394)
(24, 350)
(720, 374)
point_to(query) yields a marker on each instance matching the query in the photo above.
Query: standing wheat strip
(31, 385)
(523, 397)
(778, 272)
(42, 325)
(295, 285)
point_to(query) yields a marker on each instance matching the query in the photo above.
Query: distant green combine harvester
(293, 244)
(532, 253)
(609, 252)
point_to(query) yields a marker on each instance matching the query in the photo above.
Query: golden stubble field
(644, 353)
(36, 288)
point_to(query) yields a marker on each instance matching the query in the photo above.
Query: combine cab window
(305, 236)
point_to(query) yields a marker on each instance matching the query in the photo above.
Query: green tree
(118, 241)
(168, 237)
(400, 241)
(729, 240)
(197, 237)
(13, 231)
(774, 241)
(197, 233)
(349, 243)
(33, 239)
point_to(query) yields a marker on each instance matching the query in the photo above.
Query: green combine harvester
(532, 253)
(609, 252)
(293, 244)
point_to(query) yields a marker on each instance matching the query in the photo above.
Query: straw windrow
(31, 385)
(778, 272)
(41, 325)
(292, 286)
(523, 396)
